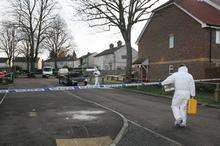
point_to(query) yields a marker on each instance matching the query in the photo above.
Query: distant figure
(184, 89)
(97, 74)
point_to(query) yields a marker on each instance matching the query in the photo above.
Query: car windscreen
(47, 69)
(75, 74)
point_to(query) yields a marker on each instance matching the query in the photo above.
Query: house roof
(20, 59)
(85, 56)
(17, 59)
(60, 59)
(109, 51)
(3, 60)
(206, 12)
(202, 10)
(139, 61)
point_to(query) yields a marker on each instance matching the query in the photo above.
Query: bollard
(103, 80)
(217, 93)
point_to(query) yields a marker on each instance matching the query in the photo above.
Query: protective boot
(178, 122)
(183, 125)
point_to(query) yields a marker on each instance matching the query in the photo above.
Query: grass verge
(202, 97)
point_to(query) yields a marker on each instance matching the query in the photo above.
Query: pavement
(54, 119)
(49, 118)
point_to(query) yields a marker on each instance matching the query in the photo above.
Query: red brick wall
(215, 47)
(160, 72)
(191, 42)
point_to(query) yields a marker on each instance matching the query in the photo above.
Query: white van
(63, 71)
(47, 71)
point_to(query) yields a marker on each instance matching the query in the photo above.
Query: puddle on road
(32, 114)
(99, 141)
(83, 115)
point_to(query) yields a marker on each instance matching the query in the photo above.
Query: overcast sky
(87, 39)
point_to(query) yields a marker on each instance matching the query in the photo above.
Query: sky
(87, 39)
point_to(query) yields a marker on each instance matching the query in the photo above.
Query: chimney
(111, 46)
(119, 43)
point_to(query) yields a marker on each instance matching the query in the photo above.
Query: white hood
(183, 69)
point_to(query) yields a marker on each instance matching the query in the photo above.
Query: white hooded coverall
(97, 74)
(184, 88)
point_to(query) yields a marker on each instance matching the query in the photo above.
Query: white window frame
(217, 37)
(171, 69)
(171, 41)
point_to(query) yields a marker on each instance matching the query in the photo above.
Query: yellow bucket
(192, 107)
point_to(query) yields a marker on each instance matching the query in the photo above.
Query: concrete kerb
(125, 125)
(123, 130)
(174, 143)
(163, 96)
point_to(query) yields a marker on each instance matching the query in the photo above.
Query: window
(171, 69)
(123, 56)
(217, 37)
(171, 41)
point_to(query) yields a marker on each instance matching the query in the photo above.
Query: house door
(144, 72)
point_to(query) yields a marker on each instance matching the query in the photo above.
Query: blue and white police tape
(72, 88)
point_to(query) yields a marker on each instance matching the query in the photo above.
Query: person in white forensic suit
(184, 89)
(97, 74)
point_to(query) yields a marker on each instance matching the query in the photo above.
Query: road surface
(155, 113)
(41, 118)
(53, 118)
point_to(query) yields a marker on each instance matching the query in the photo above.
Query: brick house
(86, 61)
(21, 62)
(180, 31)
(61, 62)
(77, 63)
(114, 58)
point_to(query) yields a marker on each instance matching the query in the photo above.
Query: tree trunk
(28, 64)
(10, 61)
(32, 62)
(32, 52)
(55, 64)
(127, 39)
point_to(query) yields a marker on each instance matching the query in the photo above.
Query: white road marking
(145, 128)
(3, 98)
(125, 121)
(157, 134)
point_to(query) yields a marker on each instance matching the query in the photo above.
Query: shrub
(205, 87)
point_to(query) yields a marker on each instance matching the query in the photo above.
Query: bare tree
(58, 41)
(9, 40)
(33, 17)
(24, 50)
(122, 14)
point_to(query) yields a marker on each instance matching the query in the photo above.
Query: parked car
(9, 77)
(47, 71)
(73, 79)
(2, 75)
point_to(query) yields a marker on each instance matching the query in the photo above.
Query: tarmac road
(53, 119)
(155, 113)
(33, 118)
